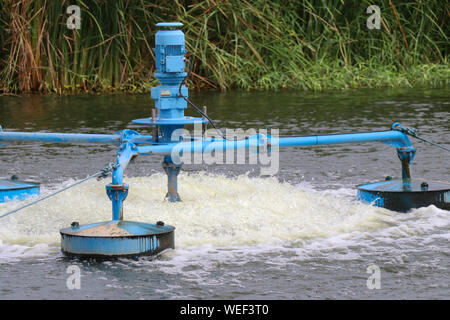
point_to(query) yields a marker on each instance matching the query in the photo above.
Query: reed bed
(260, 44)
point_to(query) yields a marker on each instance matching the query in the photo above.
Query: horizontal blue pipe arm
(72, 138)
(60, 137)
(392, 137)
(145, 145)
(202, 146)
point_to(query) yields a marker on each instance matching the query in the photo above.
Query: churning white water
(216, 211)
(236, 237)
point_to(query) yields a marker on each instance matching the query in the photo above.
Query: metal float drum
(404, 195)
(116, 238)
(17, 190)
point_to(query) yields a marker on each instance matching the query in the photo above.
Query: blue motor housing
(170, 63)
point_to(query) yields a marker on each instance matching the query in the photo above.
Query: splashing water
(235, 237)
(216, 211)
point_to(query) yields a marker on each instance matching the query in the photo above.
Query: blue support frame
(169, 117)
(132, 144)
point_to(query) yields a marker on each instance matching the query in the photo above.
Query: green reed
(260, 44)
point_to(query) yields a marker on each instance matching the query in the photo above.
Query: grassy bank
(233, 44)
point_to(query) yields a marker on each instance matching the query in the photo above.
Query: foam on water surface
(217, 212)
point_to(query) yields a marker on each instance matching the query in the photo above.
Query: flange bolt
(388, 178)
(424, 186)
(75, 225)
(160, 224)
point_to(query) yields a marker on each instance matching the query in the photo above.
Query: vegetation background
(260, 44)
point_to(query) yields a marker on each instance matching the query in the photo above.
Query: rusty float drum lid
(116, 238)
(404, 195)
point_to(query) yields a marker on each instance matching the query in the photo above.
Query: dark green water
(297, 235)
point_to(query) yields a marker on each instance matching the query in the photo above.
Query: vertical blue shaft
(117, 191)
(170, 66)
(172, 170)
